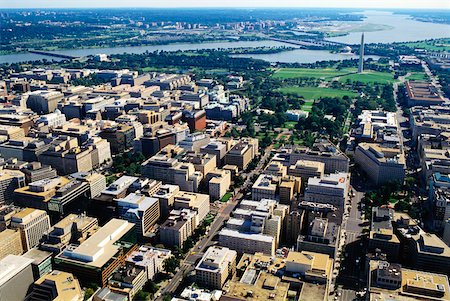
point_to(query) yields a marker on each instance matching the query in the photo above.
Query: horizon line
(229, 7)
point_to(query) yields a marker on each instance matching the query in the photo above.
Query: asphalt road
(198, 250)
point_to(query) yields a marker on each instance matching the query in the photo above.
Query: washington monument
(361, 55)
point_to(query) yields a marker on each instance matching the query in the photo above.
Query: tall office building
(33, 224)
(361, 55)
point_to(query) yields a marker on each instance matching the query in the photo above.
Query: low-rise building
(389, 281)
(95, 259)
(56, 286)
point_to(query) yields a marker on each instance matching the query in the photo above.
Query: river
(403, 29)
(304, 56)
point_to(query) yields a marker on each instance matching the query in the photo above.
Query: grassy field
(290, 124)
(316, 93)
(307, 106)
(370, 77)
(325, 73)
(433, 45)
(417, 76)
(330, 73)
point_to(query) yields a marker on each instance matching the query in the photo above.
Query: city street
(223, 214)
(351, 273)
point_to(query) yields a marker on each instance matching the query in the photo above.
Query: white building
(216, 266)
(330, 189)
(52, 120)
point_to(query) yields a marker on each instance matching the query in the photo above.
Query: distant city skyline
(409, 4)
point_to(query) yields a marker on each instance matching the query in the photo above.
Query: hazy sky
(229, 3)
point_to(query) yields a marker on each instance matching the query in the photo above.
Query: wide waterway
(402, 28)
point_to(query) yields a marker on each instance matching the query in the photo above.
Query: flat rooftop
(98, 249)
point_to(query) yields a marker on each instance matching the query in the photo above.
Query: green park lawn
(326, 73)
(312, 93)
(433, 45)
(369, 77)
(330, 73)
(417, 76)
(307, 106)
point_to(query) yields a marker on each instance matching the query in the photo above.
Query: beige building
(204, 163)
(315, 267)
(331, 189)
(247, 242)
(381, 164)
(216, 266)
(57, 286)
(265, 187)
(265, 286)
(11, 132)
(71, 229)
(219, 182)
(32, 224)
(382, 235)
(196, 202)
(275, 168)
(9, 181)
(307, 169)
(167, 166)
(166, 196)
(241, 155)
(178, 227)
(288, 189)
(11, 243)
(389, 281)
